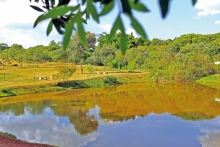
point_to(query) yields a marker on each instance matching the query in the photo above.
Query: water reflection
(44, 128)
(152, 115)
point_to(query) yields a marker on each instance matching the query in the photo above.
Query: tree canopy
(67, 19)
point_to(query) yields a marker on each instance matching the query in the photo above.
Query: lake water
(171, 115)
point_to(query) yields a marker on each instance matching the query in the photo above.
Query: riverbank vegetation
(185, 58)
(210, 81)
(25, 83)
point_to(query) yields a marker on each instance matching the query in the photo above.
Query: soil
(6, 141)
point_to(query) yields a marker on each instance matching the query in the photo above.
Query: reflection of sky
(211, 138)
(45, 128)
(152, 131)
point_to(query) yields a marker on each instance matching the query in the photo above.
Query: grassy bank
(8, 135)
(210, 81)
(21, 81)
(99, 81)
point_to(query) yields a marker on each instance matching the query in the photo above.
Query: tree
(3, 46)
(5, 57)
(37, 54)
(68, 18)
(16, 52)
(107, 54)
(77, 51)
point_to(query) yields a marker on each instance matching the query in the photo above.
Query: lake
(164, 115)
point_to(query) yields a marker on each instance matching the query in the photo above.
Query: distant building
(217, 62)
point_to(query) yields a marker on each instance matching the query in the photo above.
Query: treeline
(185, 58)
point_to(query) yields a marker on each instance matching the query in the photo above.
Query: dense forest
(184, 58)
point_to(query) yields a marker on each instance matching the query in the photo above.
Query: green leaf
(55, 12)
(68, 32)
(92, 10)
(52, 3)
(164, 7)
(83, 2)
(87, 16)
(36, 8)
(80, 29)
(138, 27)
(126, 7)
(138, 6)
(49, 27)
(114, 29)
(123, 40)
(84, 21)
(107, 8)
(194, 2)
(58, 28)
(123, 43)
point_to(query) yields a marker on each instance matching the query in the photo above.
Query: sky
(17, 19)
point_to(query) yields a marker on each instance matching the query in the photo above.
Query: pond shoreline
(75, 84)
(7, 140)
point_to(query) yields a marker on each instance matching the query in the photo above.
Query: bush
(4, 90)
(89, 69)
(110, 80)
(67, 72)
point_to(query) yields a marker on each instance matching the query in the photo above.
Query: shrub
(67, 72)
(110, 80)
(4, 90)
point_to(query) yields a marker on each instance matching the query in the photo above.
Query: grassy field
(11, 76)
(210, 81)
(25, 80)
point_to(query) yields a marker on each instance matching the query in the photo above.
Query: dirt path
(6, 141)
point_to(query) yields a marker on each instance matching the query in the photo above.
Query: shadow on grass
(6, 92)
(95, 82)
(60, 86)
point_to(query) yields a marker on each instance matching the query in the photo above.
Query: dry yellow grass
(11, 76)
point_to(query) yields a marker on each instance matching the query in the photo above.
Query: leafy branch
(67, 19)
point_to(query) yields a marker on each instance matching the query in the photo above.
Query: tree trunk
(105, 67)
(81, 67)
(80, 62)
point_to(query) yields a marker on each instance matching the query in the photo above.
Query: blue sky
(17, 20)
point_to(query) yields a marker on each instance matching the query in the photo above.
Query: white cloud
(208, 7)
(129, 31)
(105, 26)
(45, 129)
(211, 138)
(17, 19)
(217, 22)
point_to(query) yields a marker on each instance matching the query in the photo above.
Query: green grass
(9, 135)
(210, 81)
(72, 84)
(22, 81)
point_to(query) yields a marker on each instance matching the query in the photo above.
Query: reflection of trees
(120, 103)
(114, 117)
(194, 116)
(35, 108)
(17, 109)
(83, 124)
(76, 111)
(188, 101)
